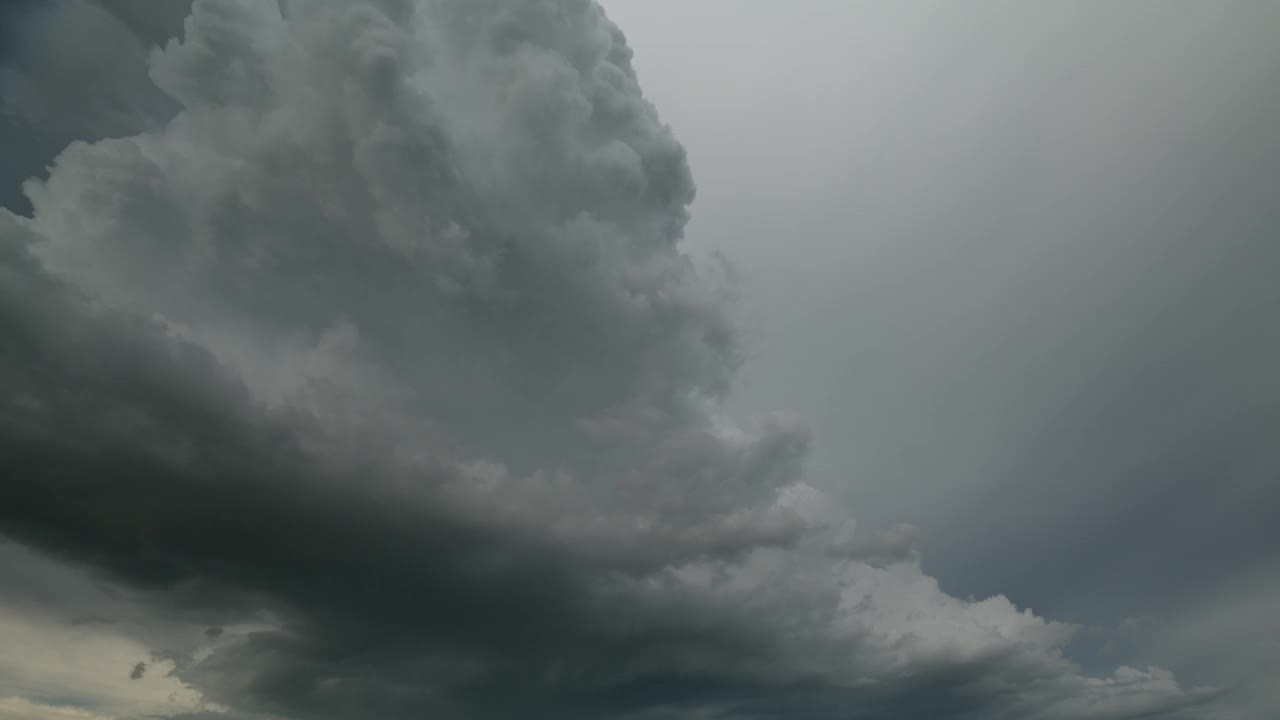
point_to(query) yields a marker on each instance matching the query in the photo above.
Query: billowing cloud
(382, 356)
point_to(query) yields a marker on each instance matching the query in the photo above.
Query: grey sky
(1017, 263)
(355, 366)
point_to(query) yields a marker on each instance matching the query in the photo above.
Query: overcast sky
(1016, 263)
(716, 359)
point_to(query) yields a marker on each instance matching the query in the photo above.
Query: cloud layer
(379, 354)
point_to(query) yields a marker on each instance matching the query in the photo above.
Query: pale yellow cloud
(16, 708)
(86, 668)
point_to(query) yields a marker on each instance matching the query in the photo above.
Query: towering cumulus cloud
(377, 365)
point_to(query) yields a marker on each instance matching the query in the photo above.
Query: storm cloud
(363, 332)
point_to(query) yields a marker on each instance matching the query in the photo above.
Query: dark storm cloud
(138, 671)
(136, 455)
(142, 458)
(382, 356)
(92, 620)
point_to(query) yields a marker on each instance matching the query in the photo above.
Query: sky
(642, 359)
